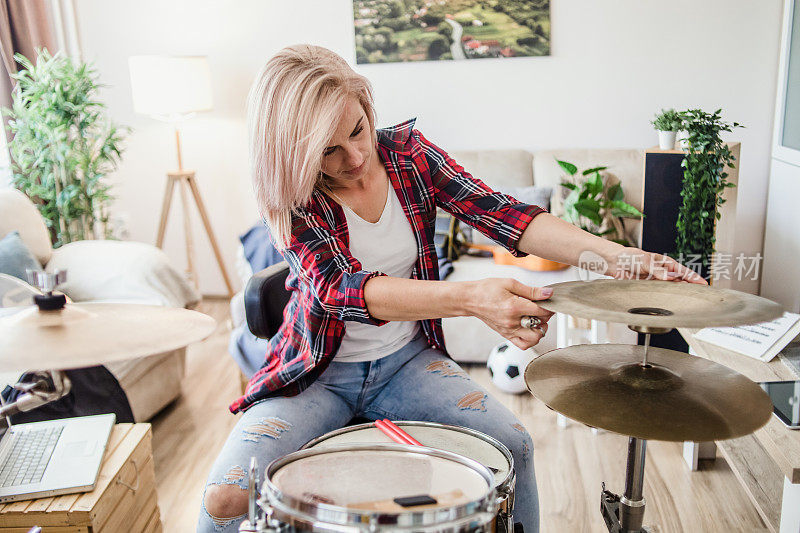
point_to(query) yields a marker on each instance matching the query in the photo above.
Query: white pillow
(533, 195)
(121, 271)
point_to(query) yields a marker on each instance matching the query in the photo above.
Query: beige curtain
(24, 26)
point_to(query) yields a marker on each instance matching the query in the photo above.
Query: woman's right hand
(502, 303)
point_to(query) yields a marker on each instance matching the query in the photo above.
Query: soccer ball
(507, 365)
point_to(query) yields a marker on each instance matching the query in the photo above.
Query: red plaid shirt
(327, 283)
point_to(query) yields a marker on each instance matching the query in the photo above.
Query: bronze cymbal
(657, 303)
(677, 397)
(87, 334)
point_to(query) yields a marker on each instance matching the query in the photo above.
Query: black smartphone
(785, 396)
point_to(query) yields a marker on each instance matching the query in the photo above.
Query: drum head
(463, 441)
(370, 480)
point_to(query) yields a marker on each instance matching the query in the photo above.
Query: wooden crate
(112, 506)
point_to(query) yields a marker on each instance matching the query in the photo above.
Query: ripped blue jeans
(414, 383)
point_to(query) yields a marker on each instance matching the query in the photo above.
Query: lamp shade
(170, 86)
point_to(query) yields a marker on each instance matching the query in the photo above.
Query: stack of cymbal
(652, 393)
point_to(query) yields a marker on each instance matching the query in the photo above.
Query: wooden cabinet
(124, 498)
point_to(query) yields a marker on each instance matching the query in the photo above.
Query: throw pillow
(533, 195)
(15, 257)
(258, 248)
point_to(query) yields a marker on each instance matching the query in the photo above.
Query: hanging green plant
(63, 146)
(704, 180)
(595, 206)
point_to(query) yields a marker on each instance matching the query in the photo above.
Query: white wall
(613, 65)
(780, 282)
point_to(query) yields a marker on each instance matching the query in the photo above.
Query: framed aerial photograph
(388, 31)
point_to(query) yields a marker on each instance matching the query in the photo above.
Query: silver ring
(530, 322)
(539, 328)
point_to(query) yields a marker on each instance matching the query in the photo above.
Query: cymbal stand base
(609, 508)
(624, 514)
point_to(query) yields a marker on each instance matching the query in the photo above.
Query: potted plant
(668, 123)
(595, 205)
(704, 180)
(63, 146)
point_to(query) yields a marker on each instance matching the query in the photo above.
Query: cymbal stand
(257, 519)
(49, 385)
(38, 392)
(625, 514)
(47, 283)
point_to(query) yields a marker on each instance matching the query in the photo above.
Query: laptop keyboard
(30, 452)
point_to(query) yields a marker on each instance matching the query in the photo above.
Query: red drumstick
(389, 432)
(403, 434)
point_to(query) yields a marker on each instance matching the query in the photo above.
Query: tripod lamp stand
(173, 89)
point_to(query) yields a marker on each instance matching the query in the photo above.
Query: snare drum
(378, 487)
(463, 441)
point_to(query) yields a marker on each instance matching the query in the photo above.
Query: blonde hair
(293, 110)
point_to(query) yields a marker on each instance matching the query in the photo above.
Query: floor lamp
(173, 89)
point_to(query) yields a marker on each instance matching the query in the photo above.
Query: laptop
(42, 459)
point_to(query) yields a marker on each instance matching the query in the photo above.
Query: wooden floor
(570, 463)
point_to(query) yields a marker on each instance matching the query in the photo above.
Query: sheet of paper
(755, 340)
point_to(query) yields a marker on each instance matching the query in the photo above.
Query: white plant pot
(666, 140)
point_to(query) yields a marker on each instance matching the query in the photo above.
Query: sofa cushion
(15, 258)
(121, 271)
(498, 168)
(534, 195)
(17, 212)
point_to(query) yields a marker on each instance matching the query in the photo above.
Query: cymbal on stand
(661, 304)
(88, 334)
(676, 397)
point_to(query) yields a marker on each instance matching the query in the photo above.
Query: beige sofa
(467, 338)
(111, 271)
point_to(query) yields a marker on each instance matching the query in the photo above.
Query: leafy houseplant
(595, 206)
(704, 180)
(63, 147)
(667, 122)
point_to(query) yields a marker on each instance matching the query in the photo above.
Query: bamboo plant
(63, 147)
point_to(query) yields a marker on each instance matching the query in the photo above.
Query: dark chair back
(265, 297)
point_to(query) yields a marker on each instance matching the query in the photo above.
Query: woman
(352, 210)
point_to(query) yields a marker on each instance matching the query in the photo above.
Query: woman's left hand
(633, 263)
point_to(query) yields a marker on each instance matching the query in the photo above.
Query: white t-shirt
(389, 246)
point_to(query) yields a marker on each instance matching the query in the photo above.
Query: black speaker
(663, 181)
